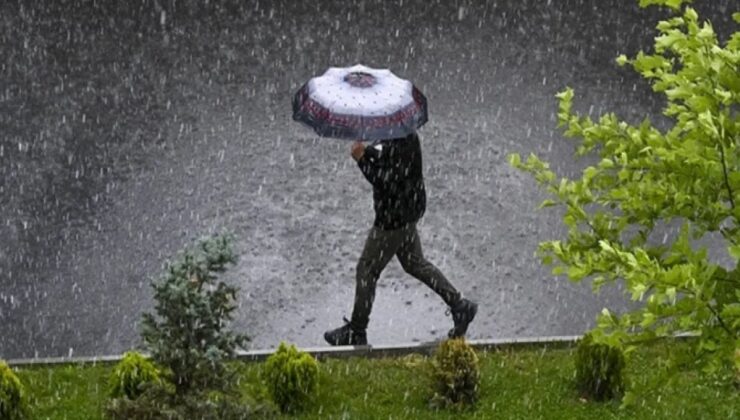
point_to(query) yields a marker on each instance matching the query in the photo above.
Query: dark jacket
(394, 169)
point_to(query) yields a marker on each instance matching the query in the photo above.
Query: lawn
(515, 384)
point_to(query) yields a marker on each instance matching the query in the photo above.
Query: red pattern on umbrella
(353, 121)
(320, 112)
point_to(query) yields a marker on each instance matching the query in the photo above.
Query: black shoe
(462, 314)
(346, 336)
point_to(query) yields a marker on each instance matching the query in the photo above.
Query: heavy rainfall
(129, 129)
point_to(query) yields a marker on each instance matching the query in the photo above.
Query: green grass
(66, 391)
(515, 384)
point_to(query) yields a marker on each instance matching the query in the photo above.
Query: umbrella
(360, 102)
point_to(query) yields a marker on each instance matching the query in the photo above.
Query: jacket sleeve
(374, 164)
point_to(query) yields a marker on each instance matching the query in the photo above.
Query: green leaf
(648, 319)
(547, 203)
(589, 174)
(731, 311)
(577, 273)
(671, 294)
(734, 251)
(709, 345)
(690, 14)
(566, 95)
(557, 271)
(606, 247)
(638, 291)
(644, 63)
(662, 43)
(606, 163)
(515, 160)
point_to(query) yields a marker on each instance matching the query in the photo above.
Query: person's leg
(413, 262)
(380, 247)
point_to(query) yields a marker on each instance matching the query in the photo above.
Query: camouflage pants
(380, 247)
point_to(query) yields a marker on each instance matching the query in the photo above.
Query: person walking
(394, 168)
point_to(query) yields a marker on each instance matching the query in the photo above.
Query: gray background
(128, 129)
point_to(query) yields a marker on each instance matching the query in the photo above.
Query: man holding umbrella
(370, 104)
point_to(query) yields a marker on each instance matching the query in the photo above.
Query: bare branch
(727, 179)
(721, 322)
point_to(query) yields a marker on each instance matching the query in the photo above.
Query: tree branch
(725, 234)
(729, 281)
(727, 179)
(721, 322)
(655, 339)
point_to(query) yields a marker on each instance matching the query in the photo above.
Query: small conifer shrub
(455, 374)
(13, 403)
(291, 376)
(599, 370)
(131, 374)
(188, 335)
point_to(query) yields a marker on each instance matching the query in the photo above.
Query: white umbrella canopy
(360, 103)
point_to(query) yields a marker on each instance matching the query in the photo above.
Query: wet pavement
(129, 130)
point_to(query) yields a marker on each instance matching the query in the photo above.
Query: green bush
(291, 377)
(188, 335)
(737, 367)
(154, 403)
(599, 370)
(161, 402)
(131, 374)
(455, 374)
(13, 404)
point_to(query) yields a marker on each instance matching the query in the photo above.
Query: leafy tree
(188, 335)
(646, 177)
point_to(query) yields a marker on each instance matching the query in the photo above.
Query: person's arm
(373, 163)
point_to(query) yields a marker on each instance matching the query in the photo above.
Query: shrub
(455, 374)
(291, 377)
(13, 404)
(154, 403)
(160, 402)
(216, 405)
(189, 335)
(599, 370)
(130, 376)
(737, 367)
